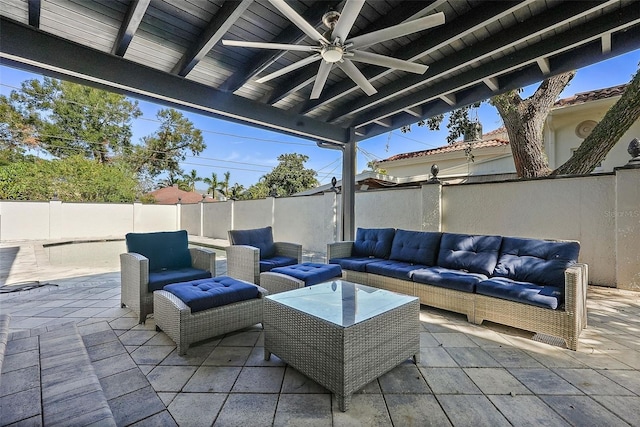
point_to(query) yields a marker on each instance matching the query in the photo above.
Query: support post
(348, 188)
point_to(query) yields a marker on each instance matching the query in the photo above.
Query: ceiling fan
(335, 48)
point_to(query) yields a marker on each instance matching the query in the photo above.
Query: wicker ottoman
(213, 307)
(296, 276)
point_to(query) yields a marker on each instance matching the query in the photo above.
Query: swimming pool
(95, 253)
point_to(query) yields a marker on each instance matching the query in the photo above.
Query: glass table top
(341, 302)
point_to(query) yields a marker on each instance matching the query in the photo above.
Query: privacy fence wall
(600, 211)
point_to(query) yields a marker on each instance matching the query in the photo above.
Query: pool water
(99, 254)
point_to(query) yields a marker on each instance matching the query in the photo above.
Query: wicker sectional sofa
(531, 284)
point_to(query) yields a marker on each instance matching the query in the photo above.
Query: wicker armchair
(157, 259)
(253, 252)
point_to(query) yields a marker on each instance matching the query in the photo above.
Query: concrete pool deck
(72, 346)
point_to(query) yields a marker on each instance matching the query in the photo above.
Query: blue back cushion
(261, 238)
(476, 254)
(536, 261)
(166, 250)
(373, 242)
(419, 247)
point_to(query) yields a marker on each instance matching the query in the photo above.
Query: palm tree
(224, 185)
(235, 191)
(213, 184)
(191, 179)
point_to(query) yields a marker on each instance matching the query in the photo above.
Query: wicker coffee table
(341, 334)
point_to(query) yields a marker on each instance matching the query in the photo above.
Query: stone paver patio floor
(469, 375)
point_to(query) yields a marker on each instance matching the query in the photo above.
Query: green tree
(189, 180)
(72, 179)
(259, 190)
(236, 191)
(224, 185)
(289, 176)
(67, 119)
(163, 151)
(212, 183)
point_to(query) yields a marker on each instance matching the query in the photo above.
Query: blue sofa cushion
(536, 261)
(311, 273)
(159, 279)
(354, 263)
(373, 242)
(475, 254)
(390, 268)
(446, 278)
(166, 250)
(276, 261)
(261, 238)
(419, 247)
(213, 292)
(525, 292)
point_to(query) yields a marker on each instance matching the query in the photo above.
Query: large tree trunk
(607, 133)
(524, 121)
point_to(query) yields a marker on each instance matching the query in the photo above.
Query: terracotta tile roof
(592, 95)
(170, 195)
(456, 146)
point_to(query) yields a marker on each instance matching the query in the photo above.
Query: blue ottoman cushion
(446, 278)
(529, 293)
(269, 264)
(311, 273)
(204, 294)
(159, 279)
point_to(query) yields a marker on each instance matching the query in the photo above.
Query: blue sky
(248, 153)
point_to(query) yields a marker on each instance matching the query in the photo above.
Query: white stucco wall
(218, 219)
(24, 220)
(400, 208)
(571, 209)
(86, 220)
(252, 213)
(190, 215)
(149, 218)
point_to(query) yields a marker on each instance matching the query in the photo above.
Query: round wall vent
(584, 128)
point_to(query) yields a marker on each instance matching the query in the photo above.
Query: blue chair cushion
(311, 273)
(166, 250)
(537, 261)
(525, 292)
(204, 294)
(446, 278)
(419, 247)
(475, 254)
(159, 279)
(276, 261)
(261, 238)
(390, 268)
(354, 263)
(373, 242)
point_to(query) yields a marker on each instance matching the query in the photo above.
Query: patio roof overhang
(169, 52)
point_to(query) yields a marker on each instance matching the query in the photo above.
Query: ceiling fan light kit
(334, 46)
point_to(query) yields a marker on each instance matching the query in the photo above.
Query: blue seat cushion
(373, 242)
(354, 263)
(419, 247)
(159, 279)
(261, 238)
(446, 278)
(276, 261)
(537, 261)
(311, 273)
(390, 268)
(166, 250)
(525, 292)
(213, 292)
(475, 254)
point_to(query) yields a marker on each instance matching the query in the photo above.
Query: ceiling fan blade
(387, 61)
(289, 68)
(348, 16)
(397, 30)
(278, 46)
(298, 20)
(357, 76)
(321, 79)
